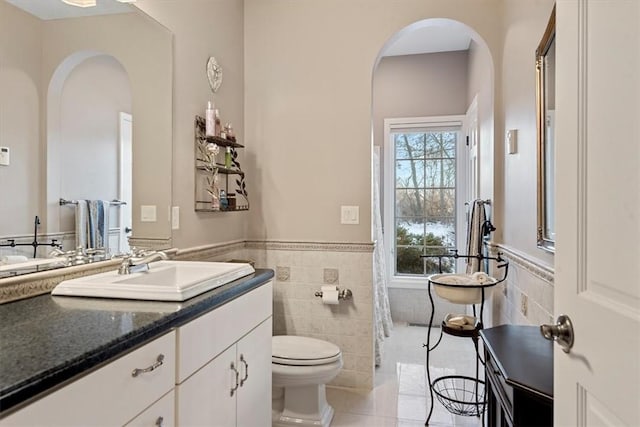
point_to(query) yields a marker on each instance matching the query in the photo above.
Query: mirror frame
(544, 240)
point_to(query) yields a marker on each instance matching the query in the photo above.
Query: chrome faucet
(134, 264)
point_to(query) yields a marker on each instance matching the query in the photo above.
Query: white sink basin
(164, 281)
(461, 288)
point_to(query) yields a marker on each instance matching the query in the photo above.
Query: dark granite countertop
(46, 341)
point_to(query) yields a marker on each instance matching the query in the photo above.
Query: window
(422, 191)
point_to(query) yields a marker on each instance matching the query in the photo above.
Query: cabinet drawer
(204, 338)
(160, 414)
(108, 396)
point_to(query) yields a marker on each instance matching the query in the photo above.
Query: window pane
(434, 173)
(410, 231)
(409, 145)
(438, 265)
(440, 202)
(449, 173)
(441, 232)
(410, 203)
(408, 260)
(410, 173)
(449, 144)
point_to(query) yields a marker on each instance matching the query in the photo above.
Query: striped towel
(98, 224)
(475, 234)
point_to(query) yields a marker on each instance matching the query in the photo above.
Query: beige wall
(308, 89)
(432, 84)
(202, 29)
(20, 95)
(527, 296)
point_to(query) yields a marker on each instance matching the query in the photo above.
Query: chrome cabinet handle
(159, 421)
(233, 368)
(561, 332)
(246, 370)
(157, 364)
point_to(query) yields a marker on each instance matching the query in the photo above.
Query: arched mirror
(545, 100)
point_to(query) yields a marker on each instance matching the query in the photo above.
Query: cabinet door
(205, 399)
(254, 394)
(160, 414)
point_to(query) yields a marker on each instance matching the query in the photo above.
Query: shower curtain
(382, 312)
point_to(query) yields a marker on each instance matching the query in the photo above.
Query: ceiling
(434, 35)
(56, 9)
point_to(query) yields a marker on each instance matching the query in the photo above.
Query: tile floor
(400, 397)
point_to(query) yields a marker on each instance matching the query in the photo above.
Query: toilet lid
(303, 351)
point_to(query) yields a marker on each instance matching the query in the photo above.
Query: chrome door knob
(561, 332)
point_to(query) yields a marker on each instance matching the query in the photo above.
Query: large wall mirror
(545, 100)
(86, 112)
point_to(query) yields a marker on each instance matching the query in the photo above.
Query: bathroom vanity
(94, 361)
(519, 376)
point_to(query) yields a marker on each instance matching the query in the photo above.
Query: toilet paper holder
(342, 294)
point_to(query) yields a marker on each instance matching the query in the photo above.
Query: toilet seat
(303, 351)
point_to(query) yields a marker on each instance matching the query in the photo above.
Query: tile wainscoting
(526, 297)
(301, 269)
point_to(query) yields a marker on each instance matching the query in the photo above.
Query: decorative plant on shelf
(207, 156)
(242, 186)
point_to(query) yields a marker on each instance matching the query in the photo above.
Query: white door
(472, 134)
(598, 211)
(125, 166)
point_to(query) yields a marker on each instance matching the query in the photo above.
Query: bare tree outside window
(425, 196)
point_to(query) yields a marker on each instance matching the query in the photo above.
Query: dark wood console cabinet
(519, 376)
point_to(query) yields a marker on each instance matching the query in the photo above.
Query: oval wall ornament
(214, 74)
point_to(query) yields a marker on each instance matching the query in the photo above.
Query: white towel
(82, 221)
(454, 279)
(480, 277)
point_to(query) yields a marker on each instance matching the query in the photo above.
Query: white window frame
(404, 123)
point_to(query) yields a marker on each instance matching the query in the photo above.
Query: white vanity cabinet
(183, 378)
(224, 365)
(109, 396)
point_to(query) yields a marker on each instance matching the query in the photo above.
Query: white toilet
(301, 368)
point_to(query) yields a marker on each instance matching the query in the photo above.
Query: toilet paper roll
(329, 295)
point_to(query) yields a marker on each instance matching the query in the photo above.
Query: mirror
(41, 57)
(545, 115)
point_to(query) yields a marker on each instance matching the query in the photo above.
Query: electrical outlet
(524, 304)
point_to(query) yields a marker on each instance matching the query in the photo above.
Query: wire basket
(460, 395)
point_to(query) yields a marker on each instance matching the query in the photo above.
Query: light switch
(4, 156)
(175, 217)
(148, 213)
(350, 215)
(512, 141)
